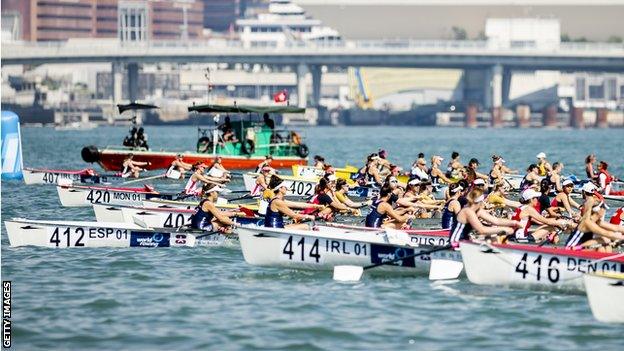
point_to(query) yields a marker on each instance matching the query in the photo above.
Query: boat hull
(113, 159)
(323, 250)
(533, 267)
(73, 196)
(605, 296)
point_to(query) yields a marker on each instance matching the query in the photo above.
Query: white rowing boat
(324, 248)
(155, 217)
(83, 196)
(536, 267)
(605, 294)
(302, 187)
(64, 234)
(52, 176)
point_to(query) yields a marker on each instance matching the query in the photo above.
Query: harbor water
(209, 298)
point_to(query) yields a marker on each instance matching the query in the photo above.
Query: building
(133, 20)
(220, 15)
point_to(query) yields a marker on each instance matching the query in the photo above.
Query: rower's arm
(478, 227)
(599, 230)
(612, 227)
(539, 218)
(574, 204)
(481, 175)
(282, 206)
(205, 179)
(392, 213)
(300, 205)
(222, 218)
(441, 175)
(495, 220)
(567, 205)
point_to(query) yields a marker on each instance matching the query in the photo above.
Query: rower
(563, 201)
(618, 217)
(266, 163)
(419, 169)
(262, 181)
(497, 198)
(197, 179)
(416, 199)
(468, 219)
(217, 170)
(342, 187)
(471, 171)
(543, 165)
(177, 168)
(208, 217)
(319, 162)
(369, 174)
(131, 167)
(324, 195)
(605, 179)
(278, 207)
(499, 170)
(455, 168)
(528, 213)
(381, 209)
(589, 167)
(591, 229)
(555, 176)
(435, 174)
(532, 177)
(452, 206)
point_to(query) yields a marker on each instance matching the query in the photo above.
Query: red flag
(280, 96)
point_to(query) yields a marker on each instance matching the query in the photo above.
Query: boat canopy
(134, 106)
(246, 109)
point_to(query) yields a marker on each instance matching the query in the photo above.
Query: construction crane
(360, 92)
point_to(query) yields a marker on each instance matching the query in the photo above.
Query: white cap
(438, 158)
(567, 182)
(217, 189)
(501, 160)
(478, 182)
(530, 194)
(541, 155)
(332, 178)
(286, 184)
(589, 187)
(414, 181)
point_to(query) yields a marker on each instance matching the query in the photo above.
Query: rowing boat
(304, 187)
(155, 217)
(221, 203)
(536, 267)
(61, 234)
(83, 196)
(605, 294)
(53, 176)
(324, 248)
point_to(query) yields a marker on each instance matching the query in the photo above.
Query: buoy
(11, 146)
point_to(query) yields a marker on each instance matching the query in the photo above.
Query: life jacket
(617, 217)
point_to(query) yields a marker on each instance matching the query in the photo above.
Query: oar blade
(348, 273)
(445, 269)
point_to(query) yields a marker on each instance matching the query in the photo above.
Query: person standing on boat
(177, 168)
(563, 202)
(279, 206)
(589, 168)
(605, 179)
(469, 219)
(591, 229)
(208, 217)
(132, 168)
(381, 209)
(194, 185)
(543, 165)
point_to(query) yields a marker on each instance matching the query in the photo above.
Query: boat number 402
(538, 268)
(302, 188)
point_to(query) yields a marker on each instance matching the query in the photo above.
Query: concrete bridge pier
(302, 91)
(317, 73)
(133, 81)
(117, 73)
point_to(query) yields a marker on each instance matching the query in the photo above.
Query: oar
(354, 273)
(244, 197)
(445, 269)
(143, 179)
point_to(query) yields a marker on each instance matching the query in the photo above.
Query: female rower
(592, 230)
(472, 171)
(319, 162)
(436, 174)
(132, 168)
(266, 163)
(528, 213)
(454, 169)
(342, 187)
(381, 209)
(419, 168)
(532, 177)
(194, 184)
(369, 174)
(499, 170)
(497, 198)
(452, 206)
(325, 196)
(177, 168)
(605, 179)
(218, 171)
(262, 181)
(468, 219)
(589, 167)
(278, 207)
(542, 164)
(417, 200)
(563, 202)
(555, 176)
(208, 217)
(618, 217)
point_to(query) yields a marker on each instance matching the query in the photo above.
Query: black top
(324, 199)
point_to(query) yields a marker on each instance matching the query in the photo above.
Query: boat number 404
(539, 268)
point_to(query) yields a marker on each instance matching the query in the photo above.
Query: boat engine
(90, 154)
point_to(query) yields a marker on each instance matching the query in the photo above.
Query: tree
(459, 33)
(614, 39)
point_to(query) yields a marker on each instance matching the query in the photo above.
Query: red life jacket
(617, 217)
(608, 177)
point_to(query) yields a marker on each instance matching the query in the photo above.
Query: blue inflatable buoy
(11, 146)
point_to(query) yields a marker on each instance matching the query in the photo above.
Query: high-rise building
(136, 20)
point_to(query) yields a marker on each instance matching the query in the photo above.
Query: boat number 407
(538, 268)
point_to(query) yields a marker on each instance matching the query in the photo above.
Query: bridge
(485, 60)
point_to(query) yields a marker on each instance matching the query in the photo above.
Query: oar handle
(442, 248)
